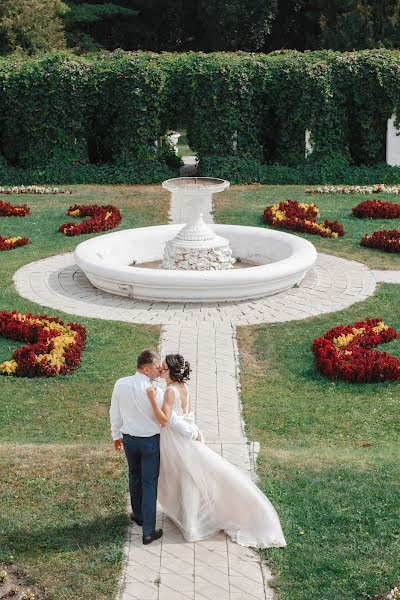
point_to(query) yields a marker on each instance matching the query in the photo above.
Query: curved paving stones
(215, 569)
(332, 284)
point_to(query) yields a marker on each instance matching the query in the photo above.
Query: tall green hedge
(91, 117)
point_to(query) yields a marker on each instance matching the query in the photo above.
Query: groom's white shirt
(131, 411)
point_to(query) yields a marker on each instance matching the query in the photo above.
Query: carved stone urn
(197, 247)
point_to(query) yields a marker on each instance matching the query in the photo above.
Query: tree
(288, 27)
(359, 24)
(31, 26)
(235, 24)
(99, 25)
(161, 24)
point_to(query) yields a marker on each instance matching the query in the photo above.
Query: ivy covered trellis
(96, 117)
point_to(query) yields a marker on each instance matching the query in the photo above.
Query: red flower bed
(377, 209)
(11, 210)
(385, 239)
(9, 243)
(348, 352)
(301, 217)
(102, 219)
(53, 348)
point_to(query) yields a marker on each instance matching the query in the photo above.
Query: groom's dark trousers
(143, 456)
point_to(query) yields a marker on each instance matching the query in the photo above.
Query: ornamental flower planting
(297, 216)
(347, 352)
(377, 209)
(52, 349)
(9, 243)
(377, 188)
(385, 239)
(11, 210)
(32, 189)
(101, 218)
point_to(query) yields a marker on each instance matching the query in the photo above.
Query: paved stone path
(387, 276)
(189, 169)
(215, 569)
(331, 285)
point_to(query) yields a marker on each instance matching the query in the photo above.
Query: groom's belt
(141, 437)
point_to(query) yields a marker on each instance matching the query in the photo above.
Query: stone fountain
(196, 247)
(194, 262)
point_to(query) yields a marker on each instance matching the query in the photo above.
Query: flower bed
(297, 216)
(53, 348)
(102, 219)
(32, 189)
(378, 188)
(9, 243)
(377, 209)
(385, 239)
(348, 352)
(11, 210)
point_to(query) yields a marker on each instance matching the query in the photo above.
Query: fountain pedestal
(196, 247)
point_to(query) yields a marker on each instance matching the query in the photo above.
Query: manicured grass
(244, 205)
(63, 498)
(63, 517)
(72, 408)
(328, 460)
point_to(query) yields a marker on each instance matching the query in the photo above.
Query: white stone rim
(199, 186)
(210, 286)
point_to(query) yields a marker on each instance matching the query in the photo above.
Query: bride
(201, 492)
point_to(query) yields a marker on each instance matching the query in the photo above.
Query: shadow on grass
(27, 541)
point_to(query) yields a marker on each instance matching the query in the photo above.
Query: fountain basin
(282, 259)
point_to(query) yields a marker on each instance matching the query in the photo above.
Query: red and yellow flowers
(385, 239)
(377, 209)
(297, 216)
(11, 210)
(9, 243)
(348, 352)
(102, 219)
(53, 348)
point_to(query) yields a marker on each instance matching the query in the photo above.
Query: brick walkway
(330, 285)
(215, 569)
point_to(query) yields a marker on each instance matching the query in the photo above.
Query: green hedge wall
(96, 117)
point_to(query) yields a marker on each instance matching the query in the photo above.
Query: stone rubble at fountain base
(197, 259)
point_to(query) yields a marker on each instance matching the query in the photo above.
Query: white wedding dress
(202, 493)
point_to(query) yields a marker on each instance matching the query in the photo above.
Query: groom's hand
(118, 445)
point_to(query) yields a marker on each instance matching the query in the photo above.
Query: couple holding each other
(201, 492)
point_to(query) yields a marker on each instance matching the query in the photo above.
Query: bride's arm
(159, 413)
(167, 415)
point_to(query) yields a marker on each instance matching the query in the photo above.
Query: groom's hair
(146, 358)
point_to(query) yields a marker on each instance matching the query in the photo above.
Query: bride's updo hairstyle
(179, 368)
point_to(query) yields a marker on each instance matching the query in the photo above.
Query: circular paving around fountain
(330, 285)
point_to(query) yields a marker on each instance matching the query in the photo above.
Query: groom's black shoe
(147, 539)
(140, 523)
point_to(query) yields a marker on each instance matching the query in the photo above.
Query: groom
(135, 430)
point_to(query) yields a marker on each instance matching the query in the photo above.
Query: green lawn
(63, 489)
(244, 205)
(329, 450)
(329, 458)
